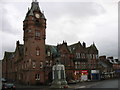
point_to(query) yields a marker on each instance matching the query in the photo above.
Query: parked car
(6, 86)
(102, 78)
(3, 80)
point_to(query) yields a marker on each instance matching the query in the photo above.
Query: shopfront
(95, 75)
(84, 75)
(77, 75)
(117, 73)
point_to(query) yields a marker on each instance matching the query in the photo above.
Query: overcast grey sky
(71, 20)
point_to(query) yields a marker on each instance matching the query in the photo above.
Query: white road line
(82, 87)
(92, 84)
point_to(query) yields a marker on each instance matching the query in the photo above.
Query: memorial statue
(59, 78)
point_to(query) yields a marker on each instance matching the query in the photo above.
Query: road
(113, 83)
(106, 84)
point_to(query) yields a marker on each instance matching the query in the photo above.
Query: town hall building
(31, 62)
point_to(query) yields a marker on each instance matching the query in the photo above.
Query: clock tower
(34, 27)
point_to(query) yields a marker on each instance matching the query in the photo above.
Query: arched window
(33, 64)
(41, 64)
(37, 51)
(37, 76)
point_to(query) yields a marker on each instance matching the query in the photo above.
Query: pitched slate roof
(8, 55)
(92, 48)
(105, 63)
(52, 49)
(64, 44)
(78, 45)
(34, 6)
(72, 48)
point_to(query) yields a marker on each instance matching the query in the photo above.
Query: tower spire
(34, 0)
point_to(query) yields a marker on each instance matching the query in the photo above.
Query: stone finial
(34, 0)
(17, 42)
(84, 44)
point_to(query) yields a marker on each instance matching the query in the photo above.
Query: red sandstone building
(32, 62)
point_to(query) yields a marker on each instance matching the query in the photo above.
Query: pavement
(31, 86)
(73, 86)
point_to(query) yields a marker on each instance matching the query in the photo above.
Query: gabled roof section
(19, 49)
(64, 44)
(92, 48)
(105, 63)
(73, 47)
(8, 55)
(78, 46)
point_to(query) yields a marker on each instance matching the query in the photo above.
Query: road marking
(82, 87)
(94, 84)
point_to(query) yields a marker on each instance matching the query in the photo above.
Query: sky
(91, 21)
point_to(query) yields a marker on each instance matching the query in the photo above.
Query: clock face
(37, 15)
